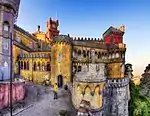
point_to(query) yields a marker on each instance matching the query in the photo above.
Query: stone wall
(18, 93)
(116, 95)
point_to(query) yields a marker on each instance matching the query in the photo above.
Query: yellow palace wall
(39, 73)
(64, 66)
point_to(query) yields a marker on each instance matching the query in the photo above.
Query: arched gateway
(60, 81)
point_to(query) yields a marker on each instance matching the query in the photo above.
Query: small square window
(5, 46)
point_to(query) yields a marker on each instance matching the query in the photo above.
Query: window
(79, 68)
(39, 66)
(43, 66)
(88, 53)
(6, 29)
(21, 67)
(84, 53)
(48, 67)
(79, 52)
(34, 67)
(18, 39)
(25, 65)
(99, 55)
(6, 26)
(74, 68)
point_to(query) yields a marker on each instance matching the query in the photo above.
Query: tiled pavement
(47, 106)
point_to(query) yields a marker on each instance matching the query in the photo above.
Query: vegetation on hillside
(139, 105)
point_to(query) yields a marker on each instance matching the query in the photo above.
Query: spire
(38, 28)
(122, 28)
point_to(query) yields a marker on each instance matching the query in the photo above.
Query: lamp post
(11, 75)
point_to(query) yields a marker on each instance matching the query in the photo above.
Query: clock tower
(52, 29)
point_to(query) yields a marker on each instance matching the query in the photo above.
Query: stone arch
(87, 93)
(87, 89)
(79, 89)
(84, 54)
(79, 68)
(96, 89)
(97, 97)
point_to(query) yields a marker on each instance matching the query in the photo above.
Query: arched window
(21, 65)
(39, 66)
(74, 68)
(88, 52)
(43, 66)
(6, 26)
(34, 67)
(95, 53)
(79, 68)
(18, 39)
(25, 65)
(6, 29)
(99, 55)
(48, 66)
(79, 52)
(84, 53)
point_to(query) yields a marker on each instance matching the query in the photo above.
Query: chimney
(38, 28)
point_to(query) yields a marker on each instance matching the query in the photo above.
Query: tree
(139, 105)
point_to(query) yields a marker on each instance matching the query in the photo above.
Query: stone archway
(60, 81)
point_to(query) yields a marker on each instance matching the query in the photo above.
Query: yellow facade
(40, 36)
(61, 62)
(37, 76)
(115, 70)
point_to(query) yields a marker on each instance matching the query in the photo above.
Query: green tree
(139, 105)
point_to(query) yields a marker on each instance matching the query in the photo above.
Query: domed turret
(11, 4)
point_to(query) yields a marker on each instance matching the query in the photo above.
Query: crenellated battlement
(86, 39)
(14, 4)
(116, 83)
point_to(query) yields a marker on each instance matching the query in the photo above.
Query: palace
(94, 67)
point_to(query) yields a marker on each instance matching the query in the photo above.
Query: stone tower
(61, 60)
(8, 15)
(52, 29)
(117, 86)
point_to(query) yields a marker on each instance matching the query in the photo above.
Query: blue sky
(90, 18)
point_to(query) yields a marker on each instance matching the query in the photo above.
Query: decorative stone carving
(91, 74)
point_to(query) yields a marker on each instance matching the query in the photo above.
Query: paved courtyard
(47, 106)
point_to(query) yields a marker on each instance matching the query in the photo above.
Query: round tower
(8, 15)
(89, 85)
(117, 91)
(61, 62)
